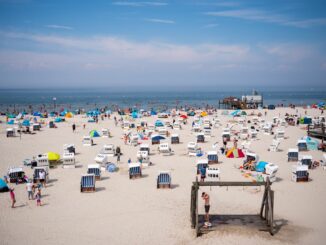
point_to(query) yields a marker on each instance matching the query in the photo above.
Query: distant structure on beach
(252, 101)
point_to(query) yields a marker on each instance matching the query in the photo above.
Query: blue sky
(162, 43)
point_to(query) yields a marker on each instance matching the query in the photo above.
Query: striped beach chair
(175, 139)
(293, 155)
(36, 174)
(94, 169)
(134, 170)
(212, 157)
(300, 173)
(87, 183)
(200, 138)
(164, 180)
(201, 163)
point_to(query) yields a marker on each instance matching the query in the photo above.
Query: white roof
(15, 169)
(212, 153)
(306, 157)
(293, 150)
(164, 172)
(42, 167)
(85, 175)
(87, 137)
(108, 146)
(302, 141)
(144, 146)
(251, 154)
(93, 166)
(174, 135)
(134, 164)
(202, 161)
(299, 168)
(10, 129)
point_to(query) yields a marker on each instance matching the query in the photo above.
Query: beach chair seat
(42, 160)
(134, 170)
(164, 180)
(94, 169)
(175, 139)
(192, 149)
(293, 155)
(200, 138)
(212, 157)
(10, 132)
(274, 146)
(16, 175)
(36, 174)
(213, 174)
(87, 183)
(68, 160)
(201, 163)
(101, 159)
(87, 141)
(165, 149)
(302, 145)
(300, 173)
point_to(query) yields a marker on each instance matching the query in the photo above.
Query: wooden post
(193, 207)
(272, 213)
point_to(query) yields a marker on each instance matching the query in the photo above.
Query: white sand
(124, 211)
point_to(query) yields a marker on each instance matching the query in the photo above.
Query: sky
(162, 43)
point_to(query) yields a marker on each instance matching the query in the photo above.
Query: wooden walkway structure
(266, 216)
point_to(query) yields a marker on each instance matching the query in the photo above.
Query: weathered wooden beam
(229, 183)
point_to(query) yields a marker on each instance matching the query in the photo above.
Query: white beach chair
(42, 160)
(274, 146)
(68, 160)
(192, 149)
(108, 150)
(87, 141)
(213, 174)
(165, 149)
(101, 159)
(105, 133)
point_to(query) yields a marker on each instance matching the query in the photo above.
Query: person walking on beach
(73, 128)
(29, 188)
(225, 141)
(42, 178)
(202, 174)
(118, 157)
(12, 197)
(205, 197)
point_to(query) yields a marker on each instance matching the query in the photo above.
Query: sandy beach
(124, 211)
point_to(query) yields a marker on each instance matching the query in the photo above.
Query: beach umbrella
(52, 156)
(203, 114)
(243, 113)
(158, 137)
(94, 133)
(184, 116)
(158, 123)
(260, 166)
(26, 123)
(3, 186)
(69, 115)
(58, 119)
(235, 153)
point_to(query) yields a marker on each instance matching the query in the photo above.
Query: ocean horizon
(90, 98)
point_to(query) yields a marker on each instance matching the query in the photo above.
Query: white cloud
(268, 17)
(162, 21)
(139, 4)
(59, 27)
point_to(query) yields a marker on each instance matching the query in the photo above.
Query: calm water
(90, 99)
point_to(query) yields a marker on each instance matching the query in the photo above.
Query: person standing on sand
(73, 128)
(12, 197)
(118, 157)
(205, 197)
(38, 198)
(29, 188)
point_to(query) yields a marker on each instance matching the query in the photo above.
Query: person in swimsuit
(205, 197)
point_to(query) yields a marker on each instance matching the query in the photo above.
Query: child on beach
(12, 197)
(38, 198)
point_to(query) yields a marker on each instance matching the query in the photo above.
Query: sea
(89, 99)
